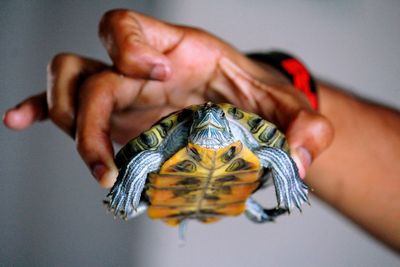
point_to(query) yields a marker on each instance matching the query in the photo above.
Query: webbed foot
(289, 187)
(124, 198)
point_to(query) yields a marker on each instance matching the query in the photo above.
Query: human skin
(158, 68)
(358, 174)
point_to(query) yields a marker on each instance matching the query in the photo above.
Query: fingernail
(303, 160)
(98, 171)
(159, 72)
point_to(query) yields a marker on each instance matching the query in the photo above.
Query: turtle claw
(121, 208)
(113, 205)
(289, 187)
(123, 205)
(256, 213)
(119, 200)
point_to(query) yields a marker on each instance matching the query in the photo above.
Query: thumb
(136, 43)
(309, 134)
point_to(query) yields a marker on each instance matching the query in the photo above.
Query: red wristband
(294, 70)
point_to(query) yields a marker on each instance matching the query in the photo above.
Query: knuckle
(61, 115)
(58, 110)
(123, 60)
(119, 41)
(98, 88)
(318, 123)
(114, 20)
(98, 82)
(317, 131)
(327, 131)
(85, 145)
(61, 62)
(116, 17)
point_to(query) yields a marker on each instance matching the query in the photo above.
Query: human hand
(158, 68)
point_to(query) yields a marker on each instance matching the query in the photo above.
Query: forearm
(359, 174)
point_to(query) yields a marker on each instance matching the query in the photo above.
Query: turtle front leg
(124, 197)
(289, 187)
(256, 213)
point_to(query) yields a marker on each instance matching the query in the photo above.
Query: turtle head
(210, 128)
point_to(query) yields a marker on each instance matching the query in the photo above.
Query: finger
(65, 74)
(308, 135)
(100, 95)
(238, 86)
(275, 103)
(136, 43)
(27, 112)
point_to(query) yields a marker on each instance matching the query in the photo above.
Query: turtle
(204, 162)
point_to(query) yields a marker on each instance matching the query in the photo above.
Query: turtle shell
(152, 138)
(202, 183)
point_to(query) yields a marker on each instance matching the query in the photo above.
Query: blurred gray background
(51, 212)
